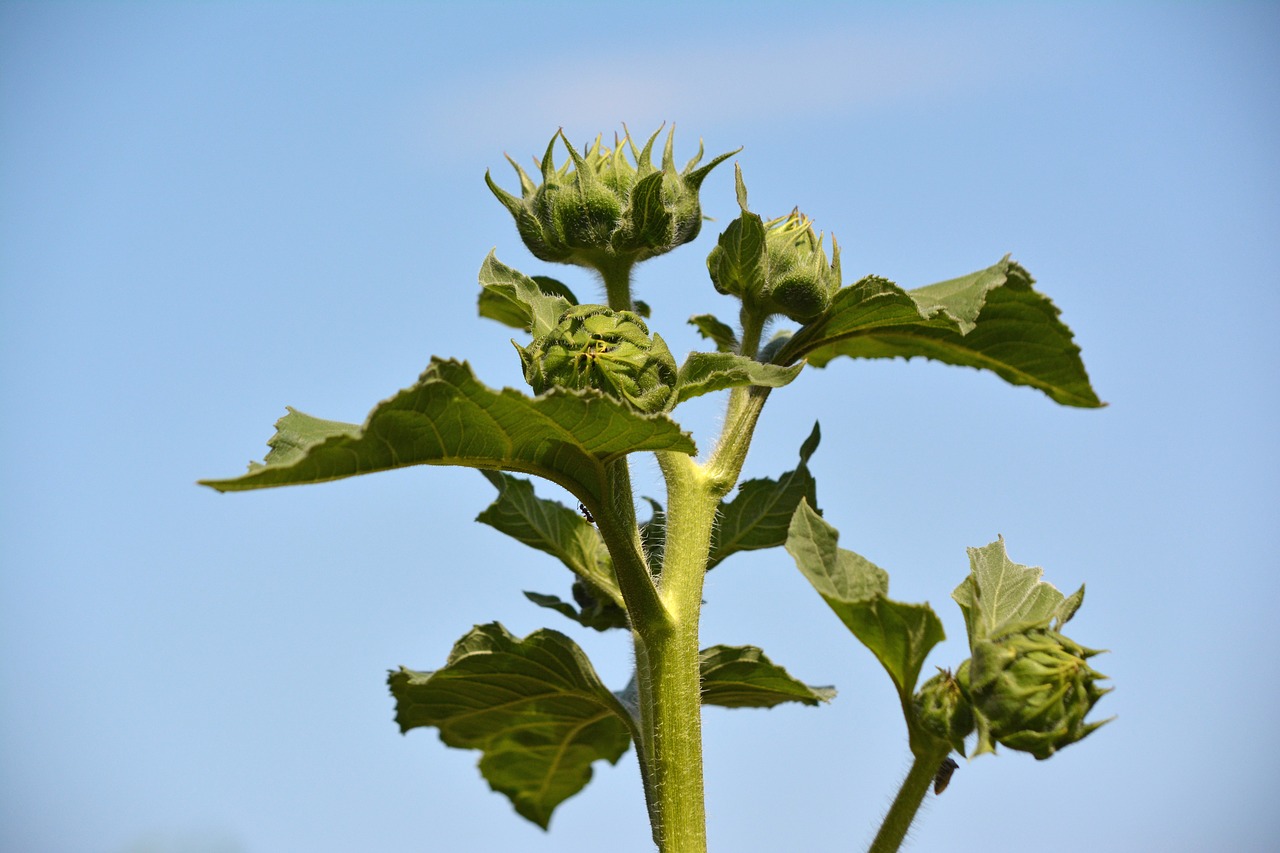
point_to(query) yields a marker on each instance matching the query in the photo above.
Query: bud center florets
(611, 351)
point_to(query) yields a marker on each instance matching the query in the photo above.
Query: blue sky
(211, 211)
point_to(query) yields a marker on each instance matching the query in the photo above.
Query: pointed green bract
(899, 635)
(744, 677)
(992, 319)
(1000, 596)
(552, 528)
(514, 299)
(534, 707)
(759, 516)
(704, 372)
(601, 210)
(450, 418)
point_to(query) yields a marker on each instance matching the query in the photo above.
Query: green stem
(617, 524)
(896, 823)
(725, 464)
(668, 661)
(752, 329)
(617, 284)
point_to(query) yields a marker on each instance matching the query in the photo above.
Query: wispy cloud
(757, 76)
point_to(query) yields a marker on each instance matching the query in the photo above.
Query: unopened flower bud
(611, 351)
(1034, 689)
(942, 710)
(775, 267)
(599, 210)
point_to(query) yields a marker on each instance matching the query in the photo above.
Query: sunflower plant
(603, 387)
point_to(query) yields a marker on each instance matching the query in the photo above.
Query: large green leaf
(551, 528)
(450, 418)
(1002, 597)
(514, 299)
(704, 372)
(534, 707)
(992, 319)
(759, 515)
(744, 677)
(899, 635)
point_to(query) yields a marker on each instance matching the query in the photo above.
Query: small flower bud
(1034, 688)
(611, 351)
(775, 267)
(598, 210)
(942, 710)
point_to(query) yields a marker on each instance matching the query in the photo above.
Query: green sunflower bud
(611, 351)
(599, 210)
(775, 267)
(942, 710)
(1033, 689)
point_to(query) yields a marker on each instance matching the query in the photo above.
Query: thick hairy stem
(896, 823)
(670, 680)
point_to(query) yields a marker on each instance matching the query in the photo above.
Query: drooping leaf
(1001, 597)
(534, 707)
(721, 334)
(551, 528)
(592, 611)
(704, 372)
(744, 677)
(759, 515)
(899, 635)
(554, 287)
(450, 418)
(992, 319)
(514, 299)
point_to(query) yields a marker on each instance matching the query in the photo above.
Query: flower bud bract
(600, 210)
(611, 351)
(1034, 689)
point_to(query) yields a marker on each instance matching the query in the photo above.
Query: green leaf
(759, 516)
(992, 319)
(744, 677)
(554, 287)
(704, 372)
(535, 708)
(514, 299)
(597, 613)
(721, 334)
(1002, 597)
(899, 635)
(552, 528)
(450, 418)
